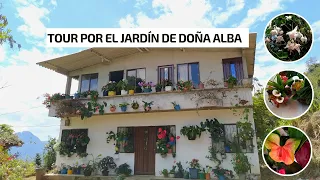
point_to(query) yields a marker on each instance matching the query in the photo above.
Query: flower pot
(177, 107)
(171, 175)
(131, 92)
(163, 155)
(69, 171)
(221, 177)
(105, 172)
(147, 90)
(242, 176)
(192, 137)
(168, 88)
(202, 176)
(147, 109)
(123, 108)
(158, 89)
(111, 93)
(105, 93)
(124, 92)
(193, 173)
(64, 171)
(112, 109)
(201, 86)
(207, 176)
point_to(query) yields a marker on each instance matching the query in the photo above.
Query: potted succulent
(158, 87)
(167, 85)
(164, 172)
(110, 88)
(113, 108)
(124, 106)
(147, 106)
(241, 165)
(172, 172)
(123, 86)
(231, 82)
(176, 106)
(106, 163)
(194, 168)
(191, 131)
(147, 86)
(135, 105)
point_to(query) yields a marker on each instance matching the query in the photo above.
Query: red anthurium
(171, 139)
(303, 154)
(284, 78)
(279, 153)
(281, 171)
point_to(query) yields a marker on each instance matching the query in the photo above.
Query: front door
(144, 150)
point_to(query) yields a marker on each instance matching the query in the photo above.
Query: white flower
(287, 86)
(110, 82)
(274, 32)
(267, 40)
(297, 47)
(278, 29)
(299, 35)
(295, 78)
(304, 39)
(288, 17)
(280, 100)
(293, 34)
(281, 32)
(276, 93)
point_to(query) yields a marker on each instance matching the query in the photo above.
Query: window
(233, 67)
(232, 143)
(137, 73)
(89, 82)
(165, 72)
(189, 72)
(125, 140)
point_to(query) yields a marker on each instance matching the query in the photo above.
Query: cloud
(316, 30)
(140, 3)
(259, 13)
(233, 7)
(32, 16)
(174, 14)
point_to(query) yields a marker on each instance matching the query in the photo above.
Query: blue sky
(28, 20)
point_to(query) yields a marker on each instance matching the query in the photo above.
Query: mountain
(32, 145)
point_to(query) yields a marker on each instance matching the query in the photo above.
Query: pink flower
(171, 139)
(178, 137)
(160, 129)
(281, 171)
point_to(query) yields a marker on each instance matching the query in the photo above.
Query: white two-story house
(95, 67)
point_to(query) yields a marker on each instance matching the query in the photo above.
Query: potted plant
(123, 169)
(222, 173)
(135, 105)
(113, 108)
(176, 106)
(131, 89)
(123, 86)
(184, 85)
(207, 172)
(123, 106)
(241, 165)
(191, 131)
(64, 169)
(147, 105)
(164, 172)
(186, 174)
(201, 174)
(172, 171)
(147, 86)
(110, 88)
(231, 82)
(158, 87)
(93, 95)
(194, 168)
(84, 94)
(69, 170)
(167, 85)
(88, 170)
(106, 163)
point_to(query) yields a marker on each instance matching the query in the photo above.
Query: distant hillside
(32, 146)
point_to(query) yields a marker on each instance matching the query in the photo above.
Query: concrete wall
(186, 150)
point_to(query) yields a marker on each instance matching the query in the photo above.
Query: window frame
(164, 66)
(136, 69)
(188, 70)
(234, 61)
(118, 128)
(89, 89)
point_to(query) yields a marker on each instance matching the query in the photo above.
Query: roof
(94, 56)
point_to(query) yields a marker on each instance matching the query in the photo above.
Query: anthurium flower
(284, 78)
(276, 93)
(303, 154)
(281, 171)
(279, 153)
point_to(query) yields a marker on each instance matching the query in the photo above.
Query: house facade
(138, 145)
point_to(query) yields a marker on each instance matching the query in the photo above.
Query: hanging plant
(135, 105)
(191, 131)
(147, 105)
(215, 129)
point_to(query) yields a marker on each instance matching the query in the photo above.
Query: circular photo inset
(288, 95)
(287, 151)
(288, 37)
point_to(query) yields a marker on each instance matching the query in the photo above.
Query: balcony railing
(217, 98)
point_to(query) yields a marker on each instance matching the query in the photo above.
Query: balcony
(198, 99)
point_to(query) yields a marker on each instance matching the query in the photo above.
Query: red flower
(178, 137)
(284, 78)
(160, 129)
(168, 145)
(171, 139)
(281, 171)
(164, 131)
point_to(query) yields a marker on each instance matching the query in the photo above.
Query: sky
(21, 102)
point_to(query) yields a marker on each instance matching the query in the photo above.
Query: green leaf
(296, 134)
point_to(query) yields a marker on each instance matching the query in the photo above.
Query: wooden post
(40, 172)
(68, 85)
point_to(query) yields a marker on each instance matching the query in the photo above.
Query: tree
(8, 138)
(5, 33)
(50, 154)
(38, 160)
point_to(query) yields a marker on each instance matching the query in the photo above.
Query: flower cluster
(146, 85)
(111, 86)
(184, 85)
(162, 133)
(194, 163)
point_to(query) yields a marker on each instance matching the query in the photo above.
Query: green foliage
(38, 160)
(241, 163)
(8, 138)
(191, 131)
(214, 127)
(123, 169)
(5, 33)
(49, 157)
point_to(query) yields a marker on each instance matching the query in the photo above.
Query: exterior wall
(185, 149)
(210, 64)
